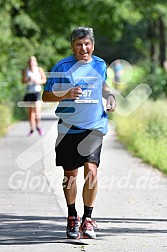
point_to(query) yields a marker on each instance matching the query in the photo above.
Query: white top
(32, 87)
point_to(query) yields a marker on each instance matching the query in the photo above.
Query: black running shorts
(32, 97)
(78, 147)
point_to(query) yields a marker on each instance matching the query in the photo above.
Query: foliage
(158, 84)
(6, 118)
(145, 133)
(42, 28)
(141, 74)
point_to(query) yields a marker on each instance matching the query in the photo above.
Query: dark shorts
(32, 97)
(78, 147)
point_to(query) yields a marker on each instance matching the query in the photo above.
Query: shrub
(144, 132)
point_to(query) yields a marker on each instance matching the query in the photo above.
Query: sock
(87, 212)
(71, 210)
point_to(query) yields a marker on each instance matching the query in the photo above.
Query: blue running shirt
(87, 112)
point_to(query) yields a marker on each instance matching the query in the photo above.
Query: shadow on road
(133, 226)
(19, 230)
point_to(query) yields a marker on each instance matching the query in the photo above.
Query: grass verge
(144, 133)
(6, 118)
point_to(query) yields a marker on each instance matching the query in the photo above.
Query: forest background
(135, 31)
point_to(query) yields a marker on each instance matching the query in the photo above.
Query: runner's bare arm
(55, 96)
(43, 76)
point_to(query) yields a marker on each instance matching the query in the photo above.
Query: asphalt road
(130, 209)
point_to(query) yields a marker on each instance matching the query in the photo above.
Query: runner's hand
(74, 93)
(110, 104)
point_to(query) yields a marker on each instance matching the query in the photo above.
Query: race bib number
(89, 94)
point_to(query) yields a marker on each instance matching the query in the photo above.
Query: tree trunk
(152, 35)
(162, 43)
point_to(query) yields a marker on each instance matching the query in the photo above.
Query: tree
(155, 14)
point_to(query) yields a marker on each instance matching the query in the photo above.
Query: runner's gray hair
(82, 32)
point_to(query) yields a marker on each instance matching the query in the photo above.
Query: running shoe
(30, 133)
(87, 228)
(72, 230)
(41, 132)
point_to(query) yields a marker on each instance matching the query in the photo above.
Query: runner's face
(83, 49)
(32, 62)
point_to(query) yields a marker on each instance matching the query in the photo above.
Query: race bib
(89, 94)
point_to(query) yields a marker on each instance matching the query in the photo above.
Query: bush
(145, 133)
(141, 74)
(158, 84)
(6, 118)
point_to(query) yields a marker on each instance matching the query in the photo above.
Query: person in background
(165, 65)
(34, 76)
(78, 83)
(118, 70)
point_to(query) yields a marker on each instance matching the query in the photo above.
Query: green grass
(6, 118)
(144, 133)
(10, 113)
